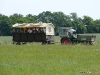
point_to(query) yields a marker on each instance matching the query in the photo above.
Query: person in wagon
(30, 30)
(35, 31)
(42, 31)
(22, 30)
(39, 30)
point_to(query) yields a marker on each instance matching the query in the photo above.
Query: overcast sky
(81, 7)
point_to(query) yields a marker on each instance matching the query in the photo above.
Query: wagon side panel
(16, 37)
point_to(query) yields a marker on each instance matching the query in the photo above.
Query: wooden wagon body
(86, 38)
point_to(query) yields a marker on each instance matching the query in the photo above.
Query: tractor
(69, 36)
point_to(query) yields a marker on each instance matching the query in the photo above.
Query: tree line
(85, 24)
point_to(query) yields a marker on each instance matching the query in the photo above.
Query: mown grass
(56, 59)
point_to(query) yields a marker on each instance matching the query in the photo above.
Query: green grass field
(55, 59)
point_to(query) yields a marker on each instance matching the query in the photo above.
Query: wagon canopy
(24, 25)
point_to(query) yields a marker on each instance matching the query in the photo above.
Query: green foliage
(83, 25)
(97, 26)
(29, 19)
(4, 26)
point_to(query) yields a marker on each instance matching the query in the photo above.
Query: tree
(45, 17)
(5, 29)
(29, 19)
(73, 16)
(77, 23)
(16, 18)
(89, 23)
(97, 26)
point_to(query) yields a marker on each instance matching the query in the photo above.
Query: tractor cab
(67, 32)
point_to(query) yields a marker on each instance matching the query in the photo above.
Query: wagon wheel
(65, 41)
(91, 43)
(86, 42)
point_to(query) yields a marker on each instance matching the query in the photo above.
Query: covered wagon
(33, 32)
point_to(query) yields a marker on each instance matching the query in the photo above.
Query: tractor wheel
(65, 41)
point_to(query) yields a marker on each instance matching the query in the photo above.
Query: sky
(34, 7)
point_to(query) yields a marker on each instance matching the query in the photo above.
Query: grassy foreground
(56, 59)
(37, 59)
